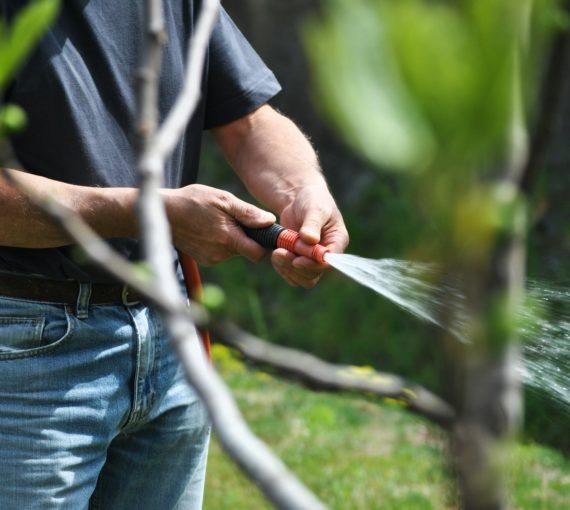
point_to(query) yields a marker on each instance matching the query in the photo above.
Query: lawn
(361, 453)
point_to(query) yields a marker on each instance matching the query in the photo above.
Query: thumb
(312, 225)
(248, 214)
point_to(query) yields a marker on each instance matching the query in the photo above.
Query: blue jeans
(94, 411)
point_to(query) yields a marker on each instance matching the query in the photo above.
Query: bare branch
(323, 375)
(175, 124)
(102, 254)
(278, 484)
(154, 226)
(274, 480)
(297, 364)
(267, 471)
(149, 72)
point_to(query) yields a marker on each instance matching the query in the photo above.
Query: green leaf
(359, 85)
(426, 84)
(213, 298)
(17, 41)
(12, 120)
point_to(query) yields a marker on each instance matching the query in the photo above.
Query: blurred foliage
(416, 84)
(468, 72)
(339, 444)
(18, 39)
(457, 77)
(387, 215)
(12, 120)
(213, 298)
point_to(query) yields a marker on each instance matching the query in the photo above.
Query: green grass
(358, 453)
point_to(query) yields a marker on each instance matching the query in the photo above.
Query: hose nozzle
(276, 236)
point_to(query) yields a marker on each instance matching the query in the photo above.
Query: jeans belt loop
(125, 297)
(83, 299)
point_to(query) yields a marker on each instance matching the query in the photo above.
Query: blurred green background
(339, 320)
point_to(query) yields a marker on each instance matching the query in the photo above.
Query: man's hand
(280, 168)
(205, 223)
(314, 214)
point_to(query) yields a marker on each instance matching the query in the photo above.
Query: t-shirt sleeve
(238, 80)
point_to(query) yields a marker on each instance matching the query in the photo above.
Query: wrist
(171, 199)
(286, 197)
(113, 212)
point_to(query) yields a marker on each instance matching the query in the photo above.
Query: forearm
(281, 169)
(271, 156)
(109, 211)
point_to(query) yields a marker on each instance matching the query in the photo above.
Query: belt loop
(83, 298)
(125, 297)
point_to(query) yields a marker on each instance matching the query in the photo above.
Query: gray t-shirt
(78, 90)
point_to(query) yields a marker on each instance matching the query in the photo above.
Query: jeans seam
(155, 376)
(133, 414)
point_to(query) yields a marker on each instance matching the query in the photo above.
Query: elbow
(230, 137)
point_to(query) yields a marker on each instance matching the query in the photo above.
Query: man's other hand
(204, 223)
(314, 214)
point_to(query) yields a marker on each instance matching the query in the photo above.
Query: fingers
(245, 213)
(206, 223)
(285, 264)
(313, 223)
(250, 216)
(308, 267)
(337, 242)
(243, 245)
(335, 236)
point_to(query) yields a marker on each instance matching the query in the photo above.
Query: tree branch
(289, 362)
(320, 374)
(102, 254)
(278, 484)
(162, 289)
(176, 121)
(305, 367)
(549, 115)
(489, 407)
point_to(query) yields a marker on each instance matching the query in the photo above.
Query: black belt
(64, 292)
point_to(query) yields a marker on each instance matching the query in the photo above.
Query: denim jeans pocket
(20, 333)
(29, 328)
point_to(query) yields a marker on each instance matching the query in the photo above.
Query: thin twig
(173, 127)
(101, 253)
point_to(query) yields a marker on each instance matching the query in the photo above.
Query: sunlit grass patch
(359, 453)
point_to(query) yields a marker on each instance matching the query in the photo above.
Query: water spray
(414, 286)
(277, 236)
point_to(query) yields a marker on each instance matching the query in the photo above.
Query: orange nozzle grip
(291, 241)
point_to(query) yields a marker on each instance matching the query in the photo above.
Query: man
(94, 411)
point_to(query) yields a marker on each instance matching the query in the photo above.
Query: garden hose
(276, 236)
(272, 237)
(193, 284)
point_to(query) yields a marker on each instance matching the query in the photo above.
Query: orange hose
(194, 287)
